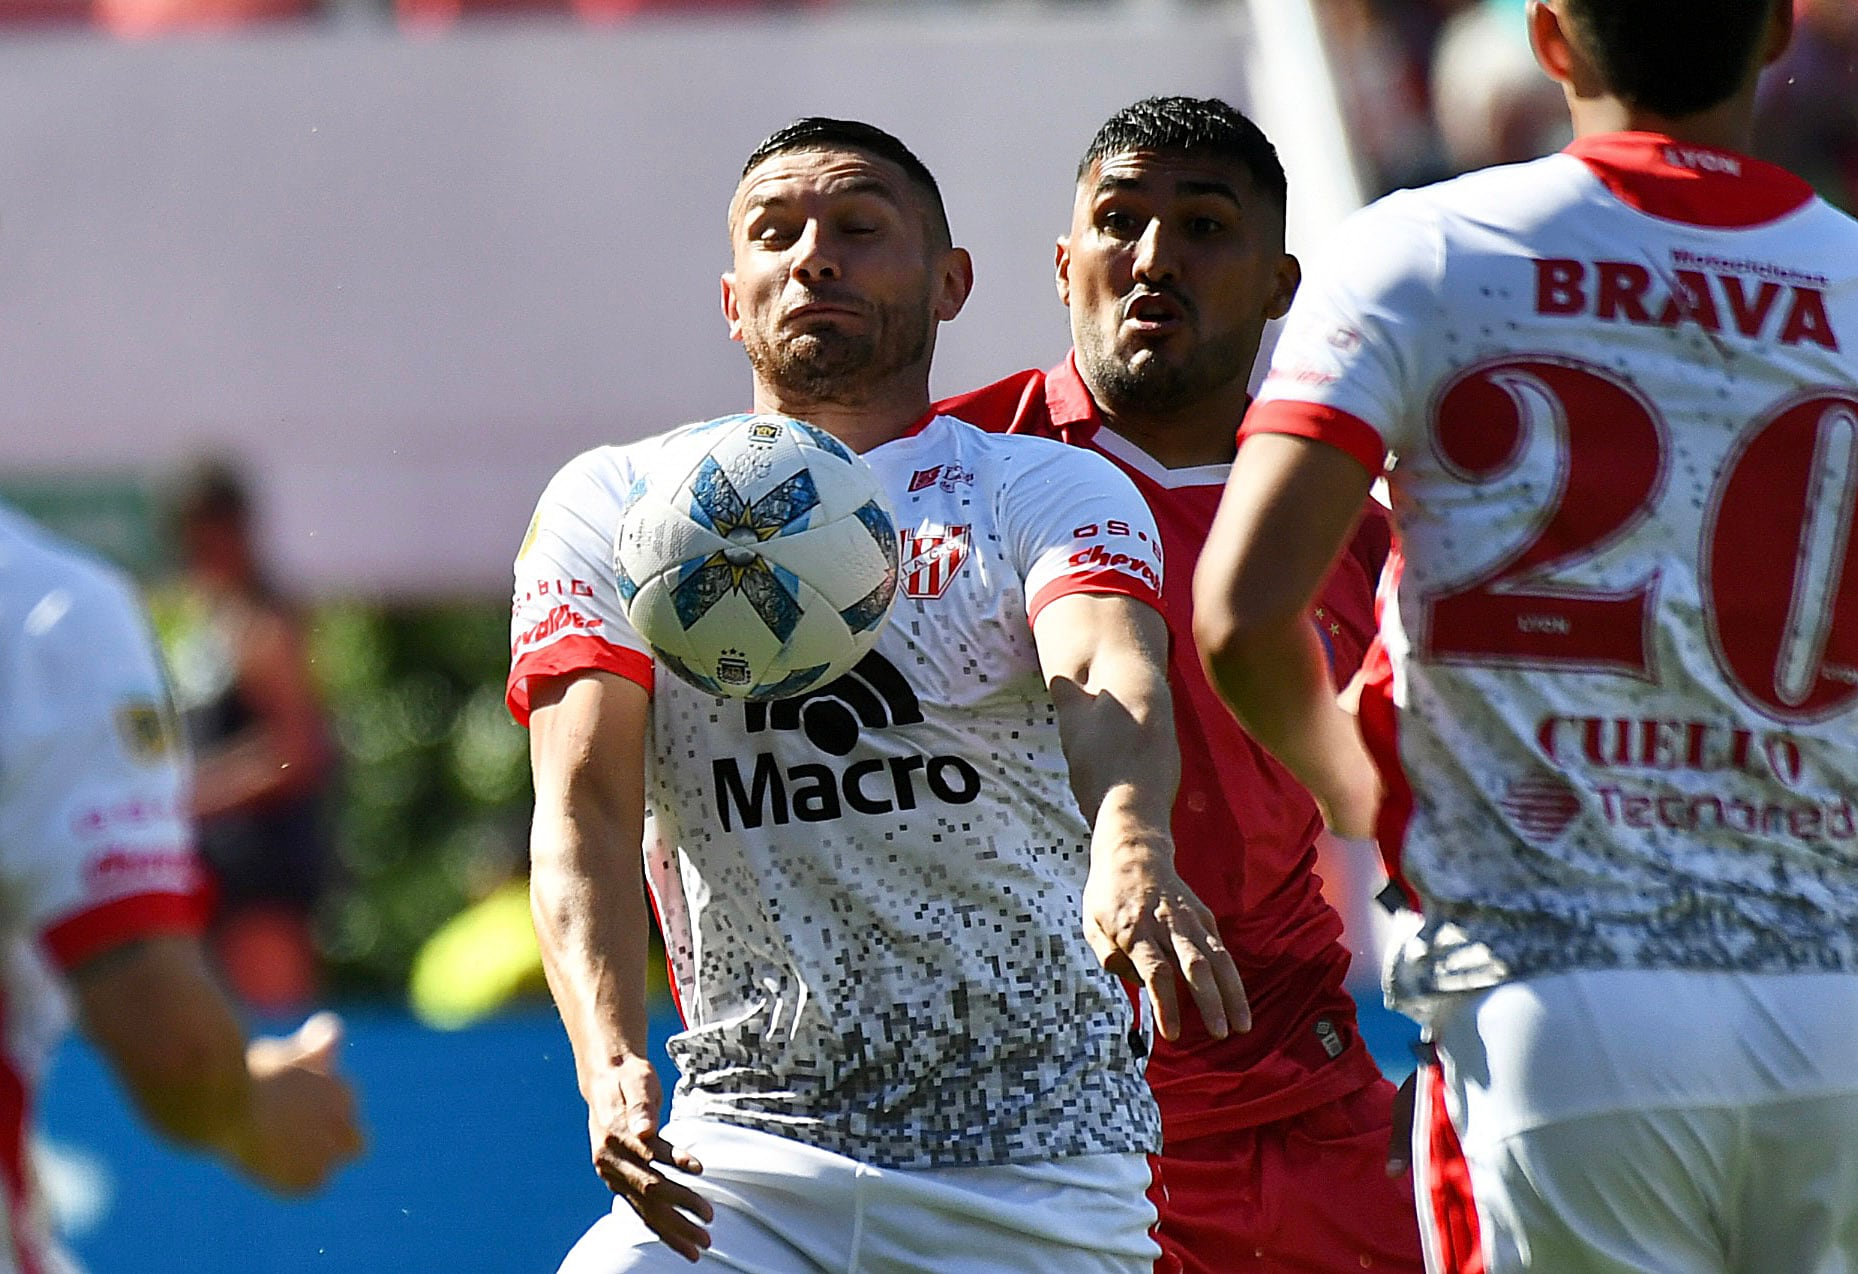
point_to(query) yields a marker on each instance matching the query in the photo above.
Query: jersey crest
(932, 557)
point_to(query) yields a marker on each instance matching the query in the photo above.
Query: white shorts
(1634, 1122)
(787, 1208)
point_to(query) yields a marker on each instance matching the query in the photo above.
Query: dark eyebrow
(1186, 186)
(856, 186)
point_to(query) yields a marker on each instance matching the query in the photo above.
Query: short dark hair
(210, 490)
(818, 132)
(1672, 57)
(1194, 126)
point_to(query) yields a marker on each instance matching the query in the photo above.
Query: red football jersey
(1244, 830)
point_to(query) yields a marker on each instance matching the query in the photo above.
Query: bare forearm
(155, 1011)
(587, 898)
(255, 770)
(1276, 681)
(1124, 759)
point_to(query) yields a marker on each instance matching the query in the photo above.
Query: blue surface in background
(477, 1164)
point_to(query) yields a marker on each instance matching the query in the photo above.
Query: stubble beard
(1148, 383)
(831, 366)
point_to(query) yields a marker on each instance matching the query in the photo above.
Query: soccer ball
(758, 557)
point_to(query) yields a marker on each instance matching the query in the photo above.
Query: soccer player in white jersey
(1611, 746)
(901, 1052)
(102, 905)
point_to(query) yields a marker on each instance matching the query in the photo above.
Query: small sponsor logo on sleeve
(563, 618)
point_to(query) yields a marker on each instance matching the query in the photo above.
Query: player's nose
(813, 257)
(1154, 253)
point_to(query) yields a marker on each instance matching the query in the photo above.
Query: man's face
(837, 283)
(1172, 267)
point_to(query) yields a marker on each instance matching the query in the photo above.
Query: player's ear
(1061, 267)
(731, 313)
(1550, 42)
(1289, 279)
(957, 283)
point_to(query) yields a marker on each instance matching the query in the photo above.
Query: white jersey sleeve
(566, 614)
(95, 841)
(1076, 524)
(1344, 369)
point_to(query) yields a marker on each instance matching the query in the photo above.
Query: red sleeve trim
(1111, 583)
(573, 654)
(77, 938)
(1323, 424)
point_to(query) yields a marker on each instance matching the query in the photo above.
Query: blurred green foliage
(434, 796)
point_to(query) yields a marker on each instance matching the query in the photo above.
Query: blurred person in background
(1275, 1140)
(103, 903)
(1490, 101)
(1808, 118)
(265, 761)
(1379, 53)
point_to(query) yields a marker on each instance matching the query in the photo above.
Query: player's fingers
(341, 1123)
(1196, 966)
(319, 1041)
(672, 1224)
(676, 1213)
(1238, 1005)
(1157, 975)
(664, 1152)
(1108, 954)
(1225, 970)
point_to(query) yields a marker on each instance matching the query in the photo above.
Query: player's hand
(623, 1122)
(1144, 924)
(303, 1123)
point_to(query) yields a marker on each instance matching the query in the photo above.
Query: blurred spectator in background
(1490, 101)
(1808, 119)
(144, 18)
(251, 710)
(1378, 54)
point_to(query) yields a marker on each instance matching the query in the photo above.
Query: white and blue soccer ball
(757, 557)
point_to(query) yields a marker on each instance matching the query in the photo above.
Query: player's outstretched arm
(1105, 658)
(1287, 512)
(587, 891)
(274, 1109)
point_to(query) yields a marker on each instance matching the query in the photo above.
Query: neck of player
(1204, 433)
(870, 420)
(1730, 125)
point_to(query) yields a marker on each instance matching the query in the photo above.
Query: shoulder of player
(54, 587)
(614, 466)
(1013, 456)
(1431, 211)
(1010, 404)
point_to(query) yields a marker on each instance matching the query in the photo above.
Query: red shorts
(1305, 1195)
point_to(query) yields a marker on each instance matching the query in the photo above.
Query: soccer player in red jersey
(1614, 702)
(1274, 1141)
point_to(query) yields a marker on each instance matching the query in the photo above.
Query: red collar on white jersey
(1698, 185)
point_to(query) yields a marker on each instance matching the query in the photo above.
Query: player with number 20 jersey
(1615, 707)
(1625, 625)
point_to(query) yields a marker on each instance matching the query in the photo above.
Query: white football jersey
(95, 845)
(1620, 721)
(871, 894)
